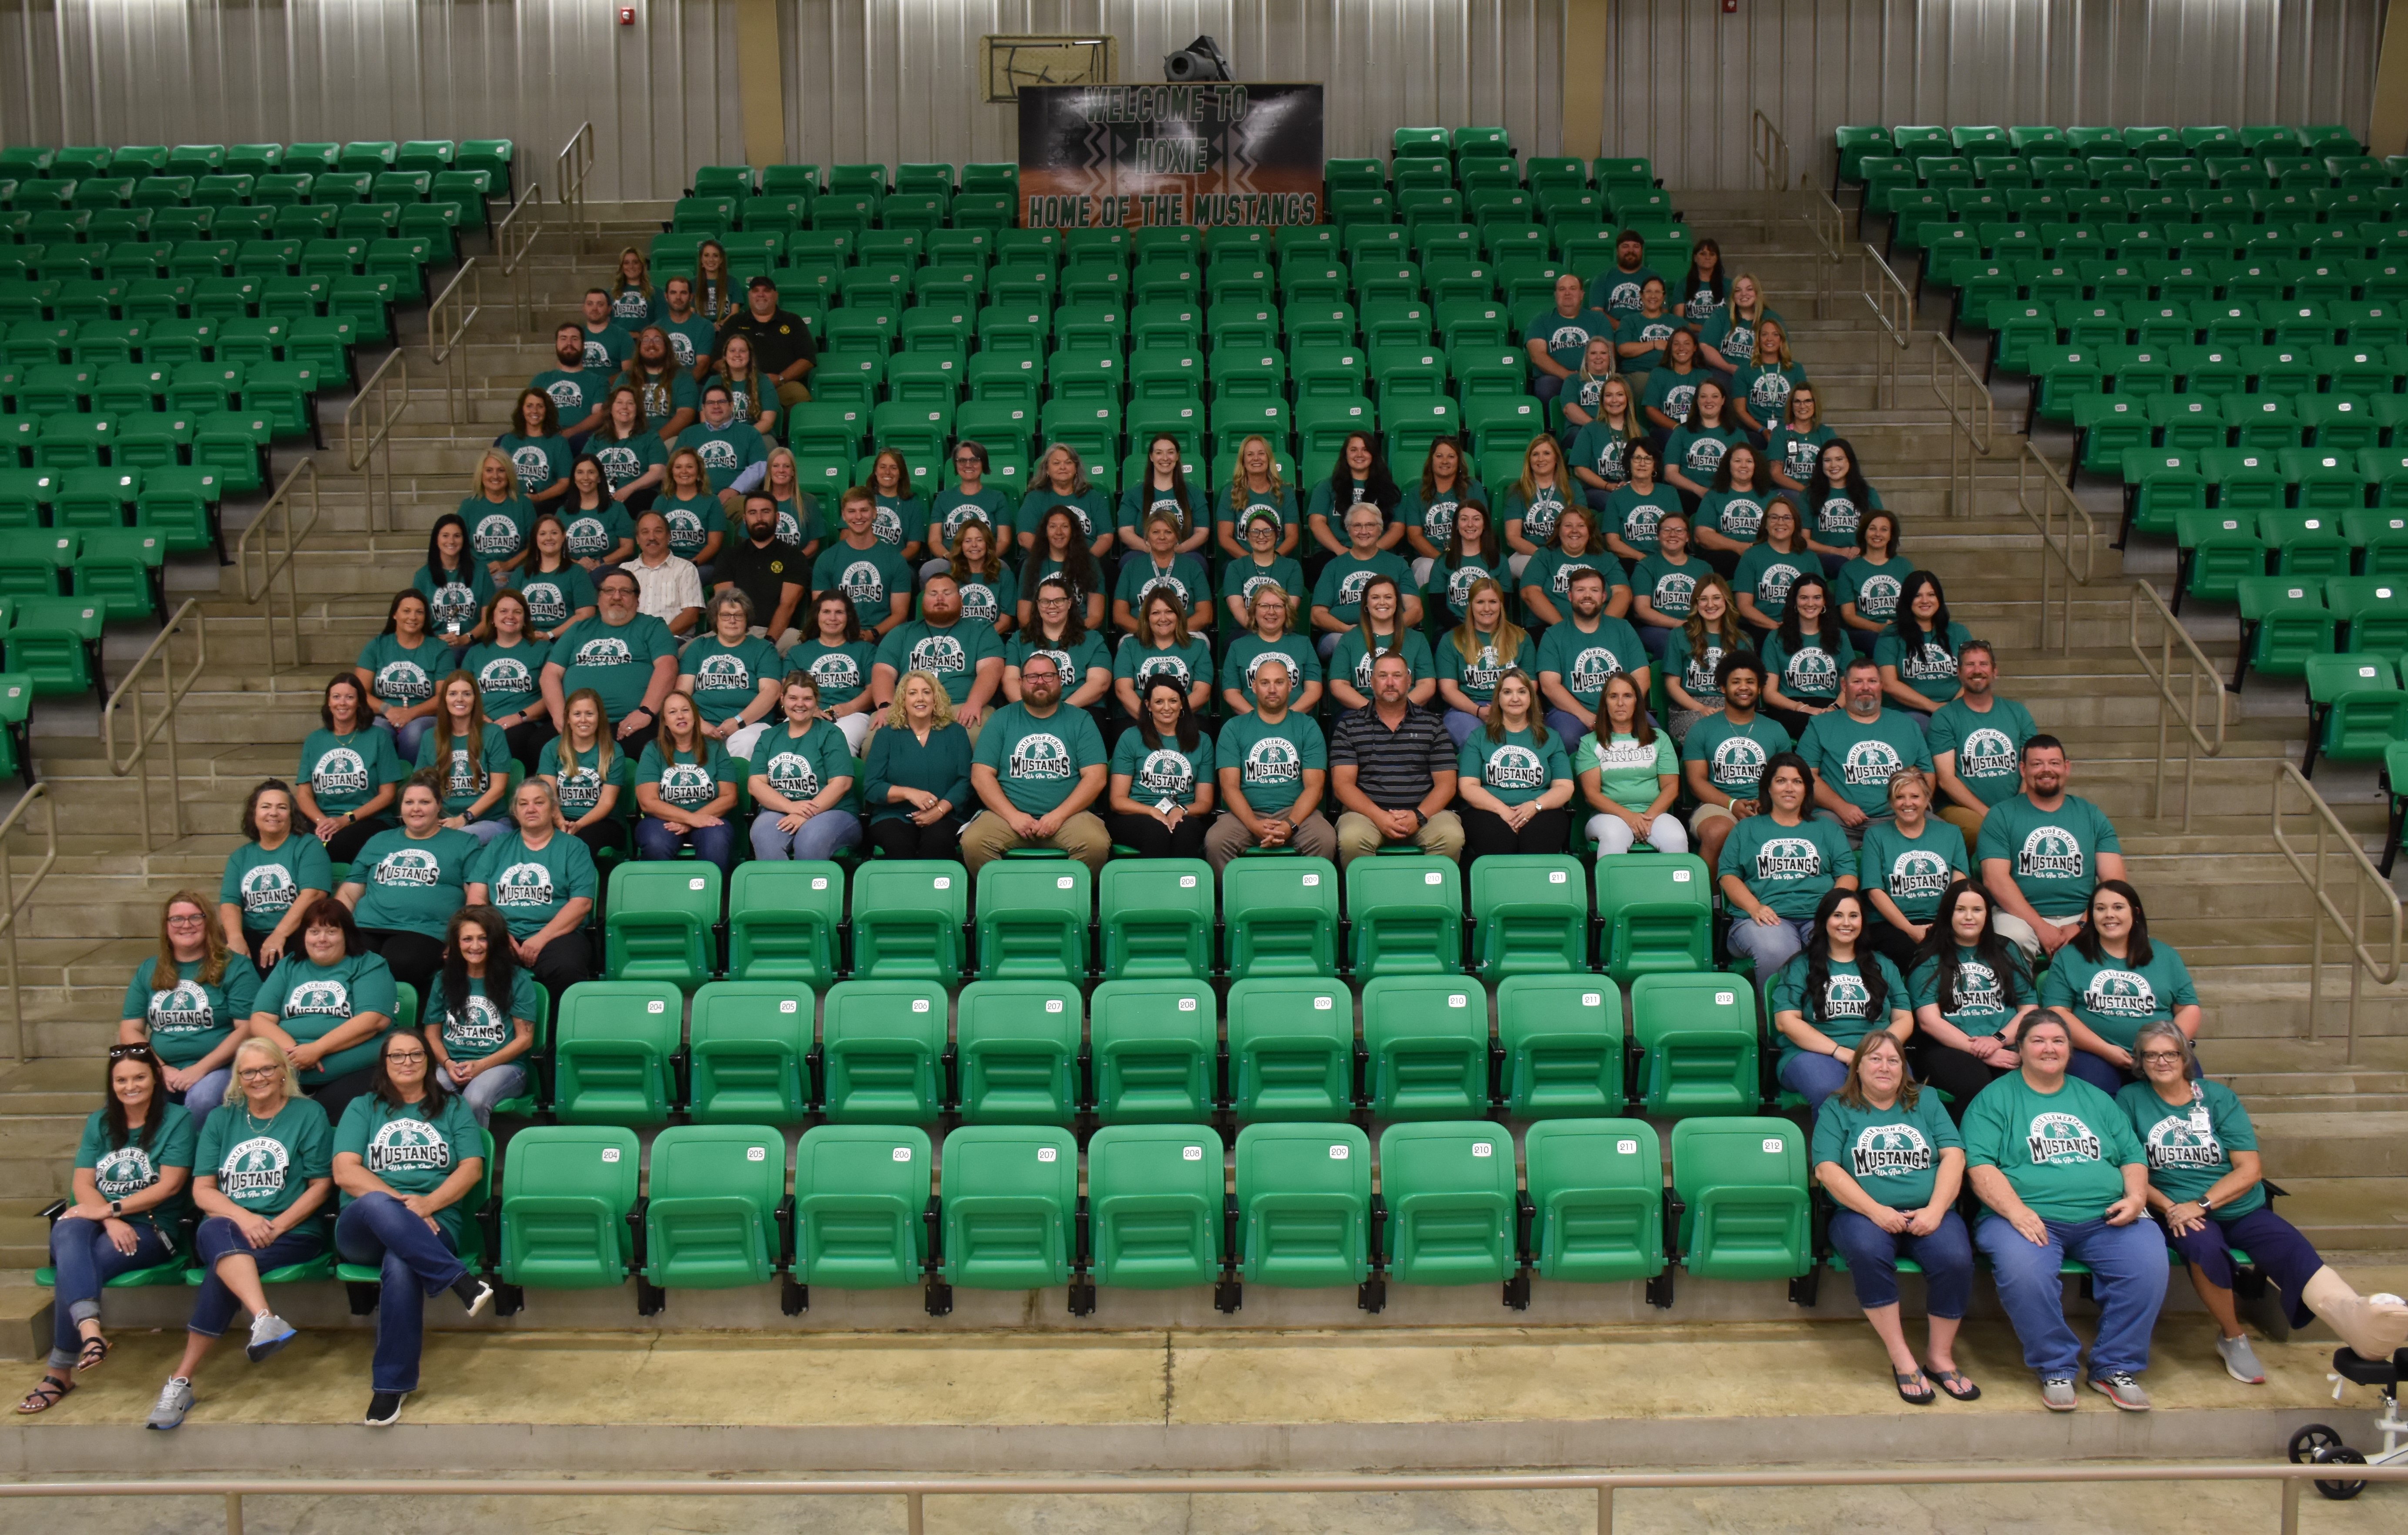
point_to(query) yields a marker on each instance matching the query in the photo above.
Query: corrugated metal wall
(898, 79)
(1683, 79)
(660, 93)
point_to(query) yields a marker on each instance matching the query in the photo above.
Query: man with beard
(966, 657)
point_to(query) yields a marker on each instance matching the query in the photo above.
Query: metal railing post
(147, 730)
(17, 901)
(914, 1515)
(447, 319)
(514, 240)
(1892, 304)
(1605, 1510)
(569, 168)
(2160, 675)
(260, 587)
(2055, 496)
(367, 439)
(2363, 962)
(233, 1514)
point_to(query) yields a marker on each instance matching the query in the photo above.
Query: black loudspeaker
(1201, 60)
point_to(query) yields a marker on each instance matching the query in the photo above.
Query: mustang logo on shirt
(497, 535)
(940, 654)
(1871, 762)
(724, 673)
(1918, 872)
(1591, 667)
(2173, 1143)
(1294, 672)
(523, 885)
(1788, 858)
(1889, 1151)
(126, 1171)
(1978, 989)
(1877, 598)
(2120, 994)
(1512, 767)
(411, 867)
(1165, 774)
(505, 674)
(1846, 996)
(1931, 663)
(1273, 759)
(266, 889)
(403, 682)
(1737, 761)
(604, 651)
(792, 774)
(862, 583)
(1041, 755)
(401, 1144)
(340, 771)
(1986, 753)
(254, 1168)
(2061, 1139)
(835, 669)
(687, 784)
(1743, 519)
(184, 1010)
(2049, 851)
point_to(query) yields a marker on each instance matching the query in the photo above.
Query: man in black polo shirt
(771, 573)
(1392, 769)
(781, 343)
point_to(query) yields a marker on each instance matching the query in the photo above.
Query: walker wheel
(2308, 1440)
(2339, 1455)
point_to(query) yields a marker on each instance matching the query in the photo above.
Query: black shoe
(474, 1293)
(384, 1409)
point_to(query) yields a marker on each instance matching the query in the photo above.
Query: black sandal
(1951, 1380)
(45, 1395)
(94, 1351)
(1908, 1378)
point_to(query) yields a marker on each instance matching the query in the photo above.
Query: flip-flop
(48, 1394)
(91, 1355)
(1951, 1380)
(1908, 1378)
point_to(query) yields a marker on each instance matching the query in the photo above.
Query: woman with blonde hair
(592, 779)
(1475, 656)
(917, 779)
(631, 292)
(798, 515)
(498, 517)
(1256, 483)
(716, 296)
(752, 392)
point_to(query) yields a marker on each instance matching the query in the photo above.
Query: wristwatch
(117, 1208)
(2203, 1206)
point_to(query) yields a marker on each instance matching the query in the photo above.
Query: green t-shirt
(1617, 292)
(497, 529)
(592, 535)
(1670, 588)
(193, 1018)
(1074, 663)
(1272, 759)
(529, 886)
(871, 577)
(1734, 754)
(1634, 514)
(1568, 340)
(1603, 451)
(2116, 998)
(841, 671)
(728, 678)
(1156, 773)
(1551, 571)
(404, 674)
(1932, 669)
(1914, 872)
(1537, 512)
(1765, 386)
(727, 451)
(1848, 1011)
(1856, 757)
(1734, 336)
(473, 1027)
(2190, 1147)
(412, 884)
(1140, 663)
(1737, 515)
(551, 595)
(2061, 1151)
(952, 508)
(1797, 453)
(1655, 330)
(1585, 659)
(576, 391)
(1476, 674)
(1628, 772)
(411, 1151)
(1672, 390)
(624, 460)
(1093, 511)
(1327, 506)
(123, 1171)
(345, 772)
(1893, 1153)
(1252, 652)
(1142, 499)
(987, 599)
(1789, 869)
(1138, 576)
(1699, 453)
(1242, 579)
(455, 604)
(800, 768)
(471, 770)
(692, 519)
(690, 340)
(1434, 514)
(1989, 747)
(687, 780)
(1340, 588)
(616, 661)
(1351, 658)
(1520, 767)
(1767, 574)
(579, 784)
(798, 521)
(310, 1001)
(1283, 504)
(508, 678)
(899, 520)
(1038, 761)
(1811, 672)
(265, 1167)
(541, 462)
(1833, 515)
(1695, 669)
(1873, 588)
(266, 884)
(1983, 1001)
(2053, 855)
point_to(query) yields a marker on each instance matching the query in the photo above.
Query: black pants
(344, 846)
(898, 838)
(415, 957)
(1792, 720)
(1152, 840)
(1893, 943)
(335, 1093)
(527, 738)
(1486, 832)
(609, 835)
(1953, 1072)
(565, 961)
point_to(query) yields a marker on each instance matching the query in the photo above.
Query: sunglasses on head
(129, 1051)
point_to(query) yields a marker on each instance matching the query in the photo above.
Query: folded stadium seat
(715, 1211)
(1304, 1205)
(2188, 422)
(1156, 1199)
(2268, 422)
(1155, 1051)
(1655, 911)
(751, 1044)
(24, 496)
(2367, 371)
(72, 442)
(54, 389)
(1009, 1197)
(48, 552)
(2284, 621)
(1018, 1044)
(1281, 914)
(2356, 707)
(2324, 481)
(1562, 1045)
(1405, 915)
(1696, 1042)
(121, 568)
(1451, 1199)
(615, 1051)
(881, 1052)
(2308, 544)
(907, 920)
(568, 1199)
(369, 154)
(1157, 918)
(783, 920)
(1857, 143)
(1427, 1045)
(1291, 1049)
(2373, 612)
(1530, 914)
(1597, 1199)
(55, 641)
(2217, 551)
(492, 156)
(861, 1202)
(1740, 1199)
(659, 923)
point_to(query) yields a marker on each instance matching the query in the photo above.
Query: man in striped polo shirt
(1392, 767)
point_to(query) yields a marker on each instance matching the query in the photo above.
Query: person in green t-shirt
(1558, 341)
(1546, 579)
(2043, 851)
(1977, 743)
(1338, 593)
(839, 659)
(132, 1167)
(1856, 748)
(1058, 478)
(627, 658)
(535, 448)
(1908, 860)
(399, 667)
(864, 568)
(2112, 979)
(591, 776)
(268, 877)
(1771, 567)
(685, 787)
(470, 759)
(1257, 567)
(482, 1015)
(1164, 489)
(1578, 656)
(731, 674)
(1832, 993)
(1160, 565)
(2061, 1175)
(733, 453)
(188, 1002)
(1917, 654)
(1273, 764)
(1724, 752)
(1891, 1159)
(801, 780)
(1866, 587)
(1633, 513)
(1036, 770)
(408, 1157)
(509, 671)
(969, 496)
(1161, 647)
(407, 882)
(1257, 487)
(558, 589)
(1973, 992)
(1267, 642)
(1378, 631)
(695, 516)
(348, 774)
(1515, 778)
(1161, 782)
(541, 882)
(1777, 864)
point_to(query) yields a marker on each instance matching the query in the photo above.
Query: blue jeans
(213, 1304)
(656, 841)
(1653, 639)
(2128, 1266)
(2286, 1259)
(1812, 1078)
(821, 837)
(86, 1259)
(1566, 725)
(207, 1096)
(1460, 727)
(1770, 947)
(1546, 386)
(2098, 1071)
(1946, 1257)
(494, 1084)
(406, 738)
(378, 1228)
(485, 831)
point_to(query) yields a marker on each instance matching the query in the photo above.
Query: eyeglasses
(406, 1056)
(2159, 1055)
(192, 921)
(261, 1073)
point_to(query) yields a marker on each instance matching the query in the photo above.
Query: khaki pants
(1228, 837)
(1441, 834)
(793, 393)
(1969, 824)
(1082, 836)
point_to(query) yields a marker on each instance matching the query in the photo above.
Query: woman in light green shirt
(1630, 775)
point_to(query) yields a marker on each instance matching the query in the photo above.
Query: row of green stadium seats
(2044, 140)
(437, 222)
(491, 156)
(2145, 205)
(1884, 178)
(198, 259)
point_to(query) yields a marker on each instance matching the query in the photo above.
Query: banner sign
(1099, 156)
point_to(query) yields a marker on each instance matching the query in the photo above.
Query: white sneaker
(175, 1400)
(2241, 1360)
(268, 1333)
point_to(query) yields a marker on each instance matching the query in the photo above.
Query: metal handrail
(915, 1491)
(1772, 153)
(38, 793)
(2186, 708)
(447, 319)
(1892, 303)
(147, 727)
(514, 240)
(272, 565)
(1971, 413)
(2363, 962)
(569, 169)
(1828, 227)
(367, 441)
(2057, 497)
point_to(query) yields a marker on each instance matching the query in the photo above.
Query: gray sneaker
(2120, 1387)
(175, 1400)
(268, 1333)
(2241, 1360)
(2057, 1393)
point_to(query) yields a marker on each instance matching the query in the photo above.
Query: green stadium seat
(1529, 915)
(2355, 707)
(783, 919)
(1452, 1197)
(1741, 1191)
(1019, 1051)
(615, 1050)
(1304, 1205)
(1157, 918)
(1406, 915)
(861, 1198)
(55, 641)
(659, 921)
(2217, 552)
(1010, 1207)
(1291, 1049)
(121, 570)
(2283, 622)
(1155, 1206)
(1281, 914)
(1655, 911)
(750, 1045)
(882, 1049)
(1032, 918)
(907, 920)
(1597, 1197)
(1561, 1040)
(715, 1211)
(1154, 1051)
(1697, 1043)
(1427, 1044)
(568, 1193)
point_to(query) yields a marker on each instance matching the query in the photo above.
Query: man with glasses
(629, 659)
(1038, 767)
